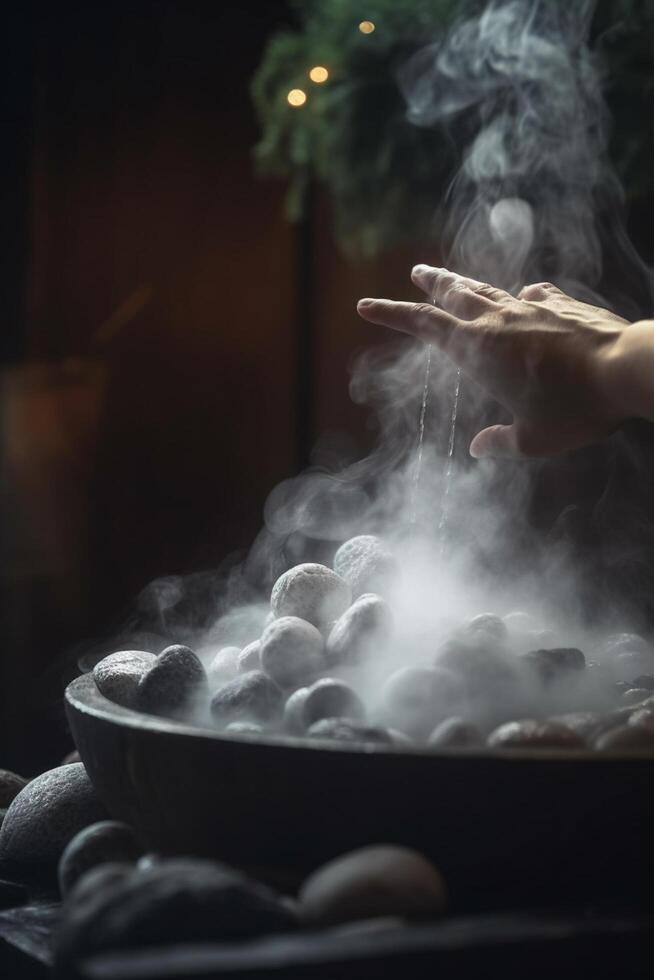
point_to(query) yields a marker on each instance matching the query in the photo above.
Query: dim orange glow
(366, 27)
(318, 74)
(296, 97)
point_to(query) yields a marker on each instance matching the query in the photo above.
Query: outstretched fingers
(459, 295)
(421, 320)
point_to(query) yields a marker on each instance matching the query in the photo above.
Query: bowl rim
(82, 695)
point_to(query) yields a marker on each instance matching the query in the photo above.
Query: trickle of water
(421, 438)
(447, 478)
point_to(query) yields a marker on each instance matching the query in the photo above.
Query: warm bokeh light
(296, 97)
(319, 74)
(366, 27)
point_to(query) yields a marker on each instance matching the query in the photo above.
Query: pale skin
(569, 373)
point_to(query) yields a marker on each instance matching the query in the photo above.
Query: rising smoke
(532, 200)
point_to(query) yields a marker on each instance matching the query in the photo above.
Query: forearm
(626, 375)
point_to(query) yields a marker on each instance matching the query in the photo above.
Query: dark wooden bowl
(504, 827)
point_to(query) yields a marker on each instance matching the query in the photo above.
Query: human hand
(543, 355)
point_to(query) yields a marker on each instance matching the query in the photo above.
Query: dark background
(165, 360)
(171, 346)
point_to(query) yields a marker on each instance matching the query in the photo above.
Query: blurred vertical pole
(304, 271)
(16, 115)
(16, 100)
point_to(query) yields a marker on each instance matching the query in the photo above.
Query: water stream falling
(447, 479)
(421, 437)
(447, 476)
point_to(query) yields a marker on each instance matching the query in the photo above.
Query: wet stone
(291, 651)
(367, 624)
(47, 814)
(327, 698)
(455, 733)
(117, 676)
(644, 680)
(635, 695)
(415, 699)
(519, 622)
(370, 883)
(627, 643)
(550, 663)
(311, 592)
(223, 667)
(630, 663)
(105, 842)
(175, 684)
(346, 730)
(172, 901)
(249, 697)
(487, 673)
(250, 657)
(10, 786)
(626, 737)
(643, 718)
(366, 565)
(533, 734)
(243, 728)
(294, 722)
(584, 723)
(486, 628)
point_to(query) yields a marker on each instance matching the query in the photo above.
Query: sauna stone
(626, 737)
(455, 733)
(643, 717)
(370, 883)
(175, 683)
(486, 629)
(102, 843)
(223, 667)
(529, 733)
(181, 900)
(366, 565)
(311, 592)
(635, 695)
(415, 699)
(252, 697)
(327, 698)
(243, 728)
(291, 651)
(10, 786)
(366, 624)
(118, 675)
(346, 730)
(47, 814)
(250, 657)
(644, 680)
(552, 662)
(294, 722)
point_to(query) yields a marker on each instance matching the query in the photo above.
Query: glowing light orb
(296, 97)
(366, 27)
(318, 74)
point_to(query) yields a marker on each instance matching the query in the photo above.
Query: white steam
(535, 186)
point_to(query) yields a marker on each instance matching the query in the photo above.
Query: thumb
(523, 440)
(496, 440)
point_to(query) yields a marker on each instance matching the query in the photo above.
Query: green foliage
(386, 176)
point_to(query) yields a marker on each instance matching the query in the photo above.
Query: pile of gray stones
(116, 896)
(493, 683)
